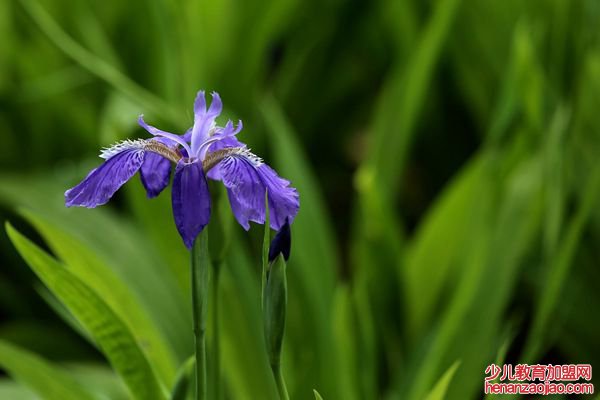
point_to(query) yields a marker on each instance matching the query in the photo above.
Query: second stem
(200, 276)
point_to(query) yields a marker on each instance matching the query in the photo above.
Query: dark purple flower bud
(281, 243)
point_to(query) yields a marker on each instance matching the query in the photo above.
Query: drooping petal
(101, 183)
(155, 173)
(156, 170)
(283, 199)
(246, 182)
(204, 119)
(191, 201)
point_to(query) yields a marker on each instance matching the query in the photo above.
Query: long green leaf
(559, 269)
(119, 243)
(312, 270)
(344, 327)
(312, 228)
(439, 241)
(10, 389)
(400, 104)
(96, 65)
(184, 384)
(439, 391)
(49, 381)
(106, 328)
(91, 270)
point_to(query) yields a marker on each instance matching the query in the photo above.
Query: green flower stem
(200, 266)
(281, 388)
(216, 355)
(275, 304)
(265, 252)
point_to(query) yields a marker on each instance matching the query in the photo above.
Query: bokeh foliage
(446, 155)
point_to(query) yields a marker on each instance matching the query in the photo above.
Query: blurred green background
(446, 154)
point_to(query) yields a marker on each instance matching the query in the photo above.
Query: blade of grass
(49, 381)
(10, 389)
(400, 104)
(85, 265)
(98, 66)
(345, 326)
(313, 227)
(183, 383)
(312, 272)
(501, 238)
(121, 244)
(559, 269)
(439, 391)
(108, 331)
(438, 243)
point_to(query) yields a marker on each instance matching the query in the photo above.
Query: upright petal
(155, 173)
(100, 184)
(247, 181)
(191, 200)
(224, 138)
(187, 136)
(229, 129)
(204, 119)
(220, 139)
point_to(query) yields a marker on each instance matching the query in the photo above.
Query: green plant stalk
(200, 266)
(281, 388)
(275, 304)
(216, 355)
(265, 252)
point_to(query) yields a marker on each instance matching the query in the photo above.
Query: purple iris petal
(156, 170)
(155, 173)
(191, 200)
(163, 134)
(246, 185)
(187, 136)
(204, 119)
(229, 129)
(221, 138)
(100, 184)
(226, 138)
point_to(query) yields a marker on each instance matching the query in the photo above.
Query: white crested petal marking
(119, 147)
(216, 157)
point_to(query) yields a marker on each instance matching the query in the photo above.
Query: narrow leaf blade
(107, 330)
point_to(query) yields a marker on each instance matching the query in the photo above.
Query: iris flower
(205, 150)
